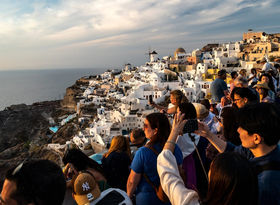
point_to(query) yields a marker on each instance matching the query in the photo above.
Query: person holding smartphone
(176, 98)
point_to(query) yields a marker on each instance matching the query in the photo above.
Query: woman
(75, 161)
(116, 162)
(176, 98)
(157, 129)
(266, 78)
(232, 180)
(263, 90)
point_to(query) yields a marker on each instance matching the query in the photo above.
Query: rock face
(24, 133)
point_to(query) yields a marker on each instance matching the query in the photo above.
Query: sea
(29, 86)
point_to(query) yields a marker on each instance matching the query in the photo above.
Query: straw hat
(261, 85)
(201, 111)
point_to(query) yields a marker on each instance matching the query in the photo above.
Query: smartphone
(190, 126)
(150, 99)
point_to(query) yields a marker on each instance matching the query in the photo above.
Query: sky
(52, 34)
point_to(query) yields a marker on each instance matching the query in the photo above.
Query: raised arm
(204, 131)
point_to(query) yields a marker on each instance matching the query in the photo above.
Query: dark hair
(161, 122)
(230, 125)
(40, 182)
(233, 74)
(189, 110)
(253, 70)
(232, 181)
(245, 93)
(206, 103)
(138, 133)
(262, 119)
(222, 72)
(270, 83)
(80, 160)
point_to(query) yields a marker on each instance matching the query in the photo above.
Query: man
(38, 182)
(242, 96)
(241, 82)
(259, 132)
(218, 87)
(87, 192)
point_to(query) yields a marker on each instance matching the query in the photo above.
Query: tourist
(243, 95)
(176, 97)
(116, 162)
(263, 90)
(193, 171)
(241, 82)
(252, 80)
(232, 180)
(259, 134)
(267, 78)
(218, 87)
(157, 129)
(75, 160)
(87, 192)
(39, 182)
(233, 75)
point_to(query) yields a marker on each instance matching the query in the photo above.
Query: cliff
(24, 133)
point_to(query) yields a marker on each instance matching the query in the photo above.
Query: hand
(203, 130)
(69, 171)
(178, 124)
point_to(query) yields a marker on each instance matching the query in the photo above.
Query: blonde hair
(119, 144)
(180, 97)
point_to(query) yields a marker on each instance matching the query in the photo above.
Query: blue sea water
(29, 86)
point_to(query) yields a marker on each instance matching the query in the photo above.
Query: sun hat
(261, 85)
(85, 188)
(201, 111)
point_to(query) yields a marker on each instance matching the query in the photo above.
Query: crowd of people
(222, 151)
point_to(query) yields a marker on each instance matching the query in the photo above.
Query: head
(233, 74)
(85, 188)
(243, 96)
(259, 124)
(232, 181)
(189, 110)
(157, 128)
(222, 74)
(176, 97)
(266, 78)
(243, 72)
(80, 160)
(230, 125)
(241, 82)
(262, 89)
(38, 182)
(119, 144)
(137, 136)
(253, 71)
(206, 103)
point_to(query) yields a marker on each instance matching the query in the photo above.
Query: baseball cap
(85, 189)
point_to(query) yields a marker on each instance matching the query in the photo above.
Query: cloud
(75, 25)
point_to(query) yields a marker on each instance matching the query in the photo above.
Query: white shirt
(172, 183)
(186, 145)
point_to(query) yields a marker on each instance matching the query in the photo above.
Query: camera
(190, 126)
